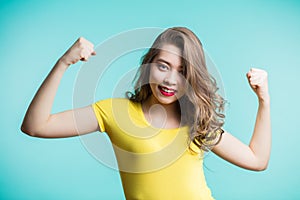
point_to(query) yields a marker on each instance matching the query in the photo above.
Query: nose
(171, 77)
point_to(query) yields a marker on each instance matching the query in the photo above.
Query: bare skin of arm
(254, 156)
(38, 120)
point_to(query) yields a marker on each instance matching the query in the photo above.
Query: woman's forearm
(40, 108)
(260, 142)
(254, 156)
(39, 111)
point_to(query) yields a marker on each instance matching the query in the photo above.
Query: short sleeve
(213, 138)
(102, 109)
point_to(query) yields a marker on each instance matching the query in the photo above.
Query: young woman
(161, 130)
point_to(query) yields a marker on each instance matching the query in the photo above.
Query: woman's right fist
(82, 50)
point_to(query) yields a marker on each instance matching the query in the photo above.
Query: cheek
(182, 85)
(155, 76)
(181, 81)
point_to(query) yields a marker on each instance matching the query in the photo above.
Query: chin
(167, 102)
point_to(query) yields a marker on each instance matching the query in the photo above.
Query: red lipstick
(166, 91)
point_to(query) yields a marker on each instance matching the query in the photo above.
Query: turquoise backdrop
(236, 34)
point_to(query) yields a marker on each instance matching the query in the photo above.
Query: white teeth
(167, 90)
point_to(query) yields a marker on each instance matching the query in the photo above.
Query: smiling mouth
(166, 91)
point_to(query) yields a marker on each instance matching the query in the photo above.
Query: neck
(161, 115)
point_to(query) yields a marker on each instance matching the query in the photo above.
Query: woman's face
(166, 75)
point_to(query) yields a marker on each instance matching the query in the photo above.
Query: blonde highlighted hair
(201, 107)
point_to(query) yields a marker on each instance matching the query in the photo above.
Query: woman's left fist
(258, 81)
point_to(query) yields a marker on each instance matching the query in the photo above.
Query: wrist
(264, 100)
(62, 64)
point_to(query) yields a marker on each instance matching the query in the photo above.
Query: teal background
(236, 34)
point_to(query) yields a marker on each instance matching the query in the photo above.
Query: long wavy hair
(201, 107)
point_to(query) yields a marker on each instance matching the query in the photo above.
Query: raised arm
(254, 156)
(39, 121)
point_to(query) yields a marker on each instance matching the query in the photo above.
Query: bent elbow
(29, 130)
(26, 130)
(261, 167)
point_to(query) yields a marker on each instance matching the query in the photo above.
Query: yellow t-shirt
(154, 163)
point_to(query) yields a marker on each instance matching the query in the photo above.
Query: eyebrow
(164, 61)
